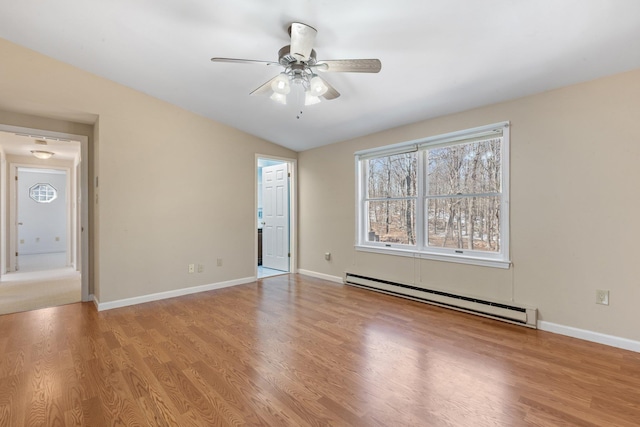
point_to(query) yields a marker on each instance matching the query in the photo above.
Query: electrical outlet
(219, 262)
(602, 297)
(200, 268)
(192, 268)
(327, 256)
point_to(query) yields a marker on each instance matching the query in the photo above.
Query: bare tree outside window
(391, 198)
(463, 196)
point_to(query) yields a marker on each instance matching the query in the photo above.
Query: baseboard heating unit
(507, 312)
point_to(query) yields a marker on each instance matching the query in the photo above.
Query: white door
(43, 214)
(275, 215)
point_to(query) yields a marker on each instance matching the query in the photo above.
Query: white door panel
(275, 212)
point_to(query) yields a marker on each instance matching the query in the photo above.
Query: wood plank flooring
(298, 351)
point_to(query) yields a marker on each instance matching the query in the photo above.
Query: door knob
(19, 223)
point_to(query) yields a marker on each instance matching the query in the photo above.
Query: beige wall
(174, 187)
(574, 206)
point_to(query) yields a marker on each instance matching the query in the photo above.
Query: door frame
(81, 203)
(293, 210)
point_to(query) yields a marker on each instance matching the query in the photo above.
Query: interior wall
(175, 188)
(574, 177)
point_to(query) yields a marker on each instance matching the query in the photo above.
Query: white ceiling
(438, 56)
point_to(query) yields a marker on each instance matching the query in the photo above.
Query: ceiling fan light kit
(317, 86)
(300, 66)
(281, 84)
(280, 98)
(309, 99)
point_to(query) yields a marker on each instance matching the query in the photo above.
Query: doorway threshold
(268, 272)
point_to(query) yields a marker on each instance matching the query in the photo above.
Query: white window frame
(421, 249)
(46, 193)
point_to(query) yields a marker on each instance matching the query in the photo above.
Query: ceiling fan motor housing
(285, 58)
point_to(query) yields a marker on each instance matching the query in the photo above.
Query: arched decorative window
(43, 193)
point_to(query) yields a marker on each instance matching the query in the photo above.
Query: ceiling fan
(300, 66)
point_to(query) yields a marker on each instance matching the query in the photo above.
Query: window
(391, 198)
(43, 193)
(443, 197)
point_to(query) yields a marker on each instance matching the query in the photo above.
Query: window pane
(392, 221)
(452, 221)
(465, 168)
(392, 176)
(43, 193)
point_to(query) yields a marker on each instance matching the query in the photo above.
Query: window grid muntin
(43, 193)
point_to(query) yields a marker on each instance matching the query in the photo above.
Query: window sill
(483, 262)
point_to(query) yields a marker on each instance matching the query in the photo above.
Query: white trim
(505, 205)
(292, 166)
(101, 306)
(597, 337)
(442, 138)
(483, 262)
(323, 276)
(387, 251)
(390, 150)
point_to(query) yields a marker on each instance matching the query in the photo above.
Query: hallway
(31, 290)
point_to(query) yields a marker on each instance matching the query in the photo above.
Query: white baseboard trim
(101, 306)
(328, 277)
(596, 337)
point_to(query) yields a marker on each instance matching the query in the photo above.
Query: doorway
(44, 217)
(274, 202)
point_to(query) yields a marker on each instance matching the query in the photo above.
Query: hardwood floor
(297, 351)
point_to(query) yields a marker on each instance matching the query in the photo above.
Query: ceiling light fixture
(314, 87)
(279, 98)
(281, 84)
(317, 87)
(310, 99)
(43, 155)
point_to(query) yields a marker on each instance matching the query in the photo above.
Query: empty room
(304, 213)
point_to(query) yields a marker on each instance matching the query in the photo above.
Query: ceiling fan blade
(265, 88)
(303, 38)
(331, 92)
(350, 66)
(243, 61)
